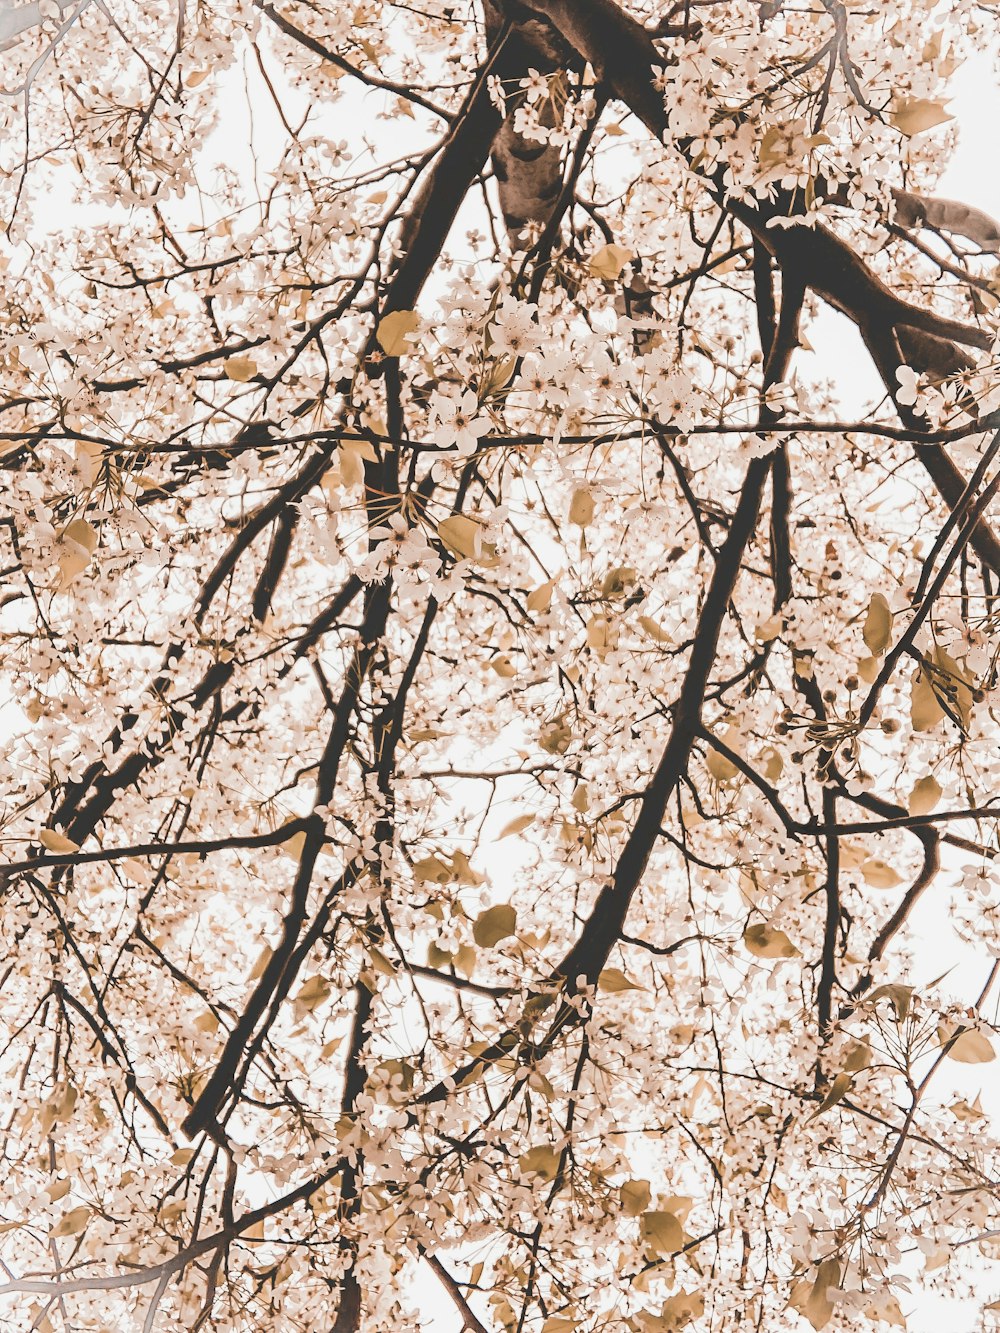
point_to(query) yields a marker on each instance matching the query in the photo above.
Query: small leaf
(71, 1223)
(837, 1091)
(661, 1233)
(967, 1111)
(432, 870)
(721, 768)
(56, 842)
(900, 997)
(240, 369)
(878, 625)
(311, 994)
(859, 1057)
(581, 508)
(613, 979)
(395, 332)
(494, 925)
(924, 797)
(463, 536)
(765, 941)
(880, 874)
(609, 260)
(971, 1048)
(653, 630)
(517, 825)
(617, 581)
(915, 115)
(818, 1307)
(83, 533)
(540, 598)
(541, 1161)
(635, 1196)
(925, 710)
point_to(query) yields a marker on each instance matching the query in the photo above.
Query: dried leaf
(541, 1161)
(915, 115)
(395, 332)
(517, 825)
(240, 369)
(880, 874)
(765, 941)
(635, 1196)
(54, 841)
(71, 1223)
(463, 536)
(971, 1048)
(540, 598)
(581, 507)
(837, 1091)
(661, 1233)
(924, 797)
(609, 260)
(613, 979)
(878, 625)
(494, 925)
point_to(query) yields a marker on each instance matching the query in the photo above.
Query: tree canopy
(482, 720)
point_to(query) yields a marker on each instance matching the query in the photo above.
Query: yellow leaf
(463, 536)
(581, 507)
(516, 825)
(818, 1307)
(311, 994)
(661, 1233)
(73, 560)
(769, 629)
(656, 632)
(240, 369)
(613, 979)
(432, 870)
(617, 581)
(880, 874)
(352, 456)
(83, 533)
(56, 842)
(915, 115)
(721, 768)
(971, 1048)
(900, 997)
(542, 1161)
(609, 260)
(878, 625)
(925, 710)
(71, 1223)
(395, 332)
(494, 925)
(837, 1091)
(540, 598)
(465, 960)
(924, 797)
(676, 1313)
(263, 958)
(196, 77)
(868, 669)
(967, 1111)
(765, 941)
(635, 1196)
(859, 1057)
(503, 666)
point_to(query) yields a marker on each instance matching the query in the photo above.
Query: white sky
(973, 176)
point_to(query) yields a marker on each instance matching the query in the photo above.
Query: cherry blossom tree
(481, 719)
